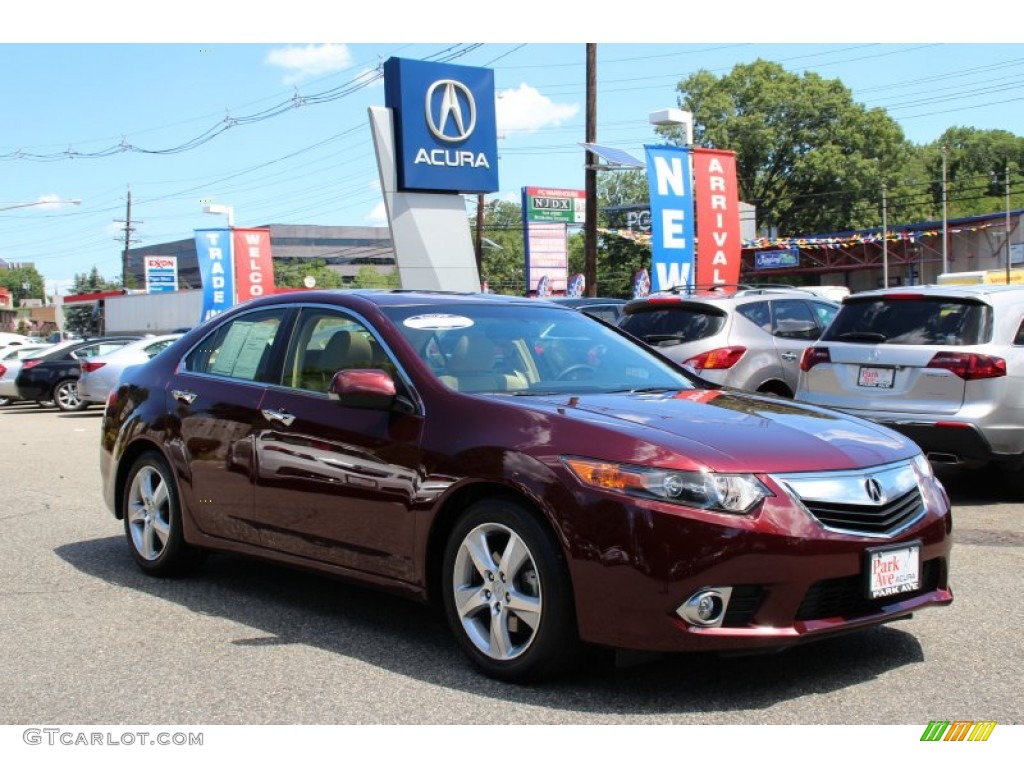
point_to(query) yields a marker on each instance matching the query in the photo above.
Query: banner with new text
(718, 216)
(672, 253)
(213, 252)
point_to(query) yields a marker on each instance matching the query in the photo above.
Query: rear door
(216, 394)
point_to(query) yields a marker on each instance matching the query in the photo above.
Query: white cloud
(378, 217)
(310, 60)
(526, 109)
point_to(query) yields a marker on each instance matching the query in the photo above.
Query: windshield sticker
(437, 322)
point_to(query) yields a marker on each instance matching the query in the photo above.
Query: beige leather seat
(471, 367)
(344, 350)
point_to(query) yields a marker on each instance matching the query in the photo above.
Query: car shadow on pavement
(285, 606)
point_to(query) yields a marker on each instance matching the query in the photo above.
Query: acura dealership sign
(445, 128)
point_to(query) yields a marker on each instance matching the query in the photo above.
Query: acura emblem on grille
(874, 489)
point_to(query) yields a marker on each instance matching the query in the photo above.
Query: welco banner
(718, 215)
(213, 251)
(672, 252)
(254, 267)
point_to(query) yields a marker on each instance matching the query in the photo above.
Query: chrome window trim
(180, 370)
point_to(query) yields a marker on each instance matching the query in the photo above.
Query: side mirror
(363, 388)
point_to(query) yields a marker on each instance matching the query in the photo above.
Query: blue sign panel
(669, 176)
(213, 250)
(777, 259)
(446, 134)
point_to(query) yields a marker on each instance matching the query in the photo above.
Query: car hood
(728, 430)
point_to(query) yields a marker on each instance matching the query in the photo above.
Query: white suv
(944, 365)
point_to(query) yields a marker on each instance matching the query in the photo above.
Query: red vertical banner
(254, 268)
(716, 196)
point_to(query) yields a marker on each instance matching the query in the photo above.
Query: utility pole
(1007, 223)
(479, 240)
(590, 189)
(128, 240)
(945, 216)
(885, 239)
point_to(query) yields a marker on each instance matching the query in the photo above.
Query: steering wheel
(578, 372)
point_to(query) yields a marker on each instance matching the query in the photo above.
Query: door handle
(184, 395)
(280, 416)
(789, 356)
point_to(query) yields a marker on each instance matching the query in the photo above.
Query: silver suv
(944, 365)
(744, 337)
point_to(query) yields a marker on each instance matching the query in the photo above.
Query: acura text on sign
(445, 127)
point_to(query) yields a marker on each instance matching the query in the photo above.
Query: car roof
(582, 301)
(723, 294)
(979, 291)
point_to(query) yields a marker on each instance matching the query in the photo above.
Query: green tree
(809, 157)
(369, 276)
(23, 282)
(976, 164)
(293, 272)
(83, 319)
(504, 254)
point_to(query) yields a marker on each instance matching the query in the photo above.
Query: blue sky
(76, 83)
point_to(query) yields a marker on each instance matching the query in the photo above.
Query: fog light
(706, 607)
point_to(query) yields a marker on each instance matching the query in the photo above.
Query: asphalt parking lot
(88, 639)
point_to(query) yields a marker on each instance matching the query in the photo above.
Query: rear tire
(65, 395)
(507, 594)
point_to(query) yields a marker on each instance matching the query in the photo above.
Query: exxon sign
(445, 129)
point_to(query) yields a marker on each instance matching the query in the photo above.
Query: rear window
(942, 322)
(678, 325)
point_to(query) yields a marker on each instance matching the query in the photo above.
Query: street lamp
(222, 210)
(58, 201)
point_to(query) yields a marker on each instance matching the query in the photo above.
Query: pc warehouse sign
(445, 126)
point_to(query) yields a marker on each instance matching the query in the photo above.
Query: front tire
(65, 395)
(507, 594)
(152, 519)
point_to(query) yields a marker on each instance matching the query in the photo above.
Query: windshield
(525, 349)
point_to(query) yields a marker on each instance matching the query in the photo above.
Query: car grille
(873, 520)
(845, 597)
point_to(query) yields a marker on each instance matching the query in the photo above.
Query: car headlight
(924, 467)
(733, 493)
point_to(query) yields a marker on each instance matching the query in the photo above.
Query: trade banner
(213, 252)
(254, 267)
(672, 253)
(718, 216)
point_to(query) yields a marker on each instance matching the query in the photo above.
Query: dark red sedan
(547, 479)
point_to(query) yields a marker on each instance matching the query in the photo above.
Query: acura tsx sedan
(545, 479)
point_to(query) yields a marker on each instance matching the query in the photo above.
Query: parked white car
(100, 374)
(10, 364)
(14, 340)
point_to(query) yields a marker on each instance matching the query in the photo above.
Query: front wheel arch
(507, 591)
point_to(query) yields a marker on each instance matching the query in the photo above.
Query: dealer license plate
(893, 570)
(878, 378)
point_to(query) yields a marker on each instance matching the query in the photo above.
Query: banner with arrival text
(672, 253)
(718, 216)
